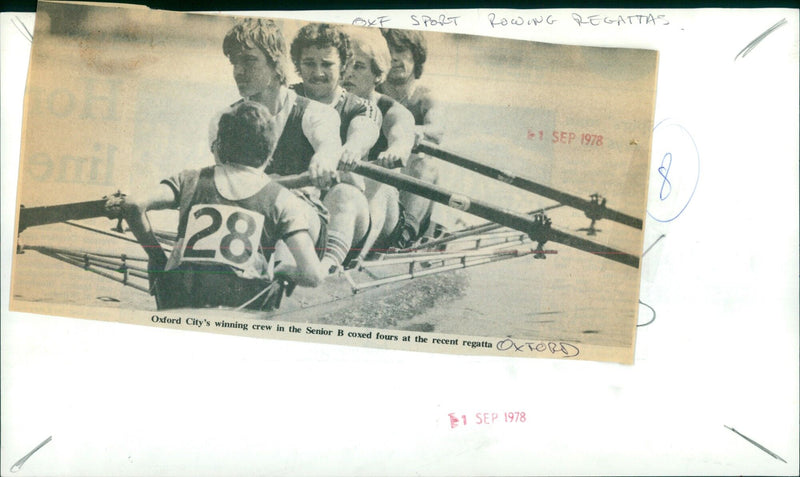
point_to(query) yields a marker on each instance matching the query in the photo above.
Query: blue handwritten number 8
(664, 172)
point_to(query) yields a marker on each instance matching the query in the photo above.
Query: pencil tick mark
(18, 465)
(747, 49)
(20, 26)
(774, 455)
(653, 244)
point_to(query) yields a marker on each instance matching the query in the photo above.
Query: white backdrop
(723, 280)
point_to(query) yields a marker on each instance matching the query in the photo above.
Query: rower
(366, 69)
(320, 52)
(307, 131)
(231, 216)
(409, 51)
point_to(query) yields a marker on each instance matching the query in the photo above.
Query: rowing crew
(359, 99)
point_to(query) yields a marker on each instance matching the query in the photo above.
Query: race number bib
(222, 234)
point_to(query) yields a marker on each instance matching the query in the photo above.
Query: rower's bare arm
(433, 127)
(321, 128)
(136, 205)
(307, 271)
(398, 127)
(362, 134)
(134, 209)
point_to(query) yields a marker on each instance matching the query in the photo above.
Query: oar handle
(295, 181)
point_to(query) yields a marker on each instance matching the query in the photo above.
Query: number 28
(227, 241)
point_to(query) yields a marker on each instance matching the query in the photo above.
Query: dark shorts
(194, 285)
(396, 239)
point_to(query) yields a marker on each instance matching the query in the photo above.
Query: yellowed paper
(120, 98)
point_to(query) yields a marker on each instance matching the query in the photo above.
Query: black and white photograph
(329, 242)
(334, 183)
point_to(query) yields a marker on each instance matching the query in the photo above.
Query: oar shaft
(488, 211)
(32, 216)
(527, 184)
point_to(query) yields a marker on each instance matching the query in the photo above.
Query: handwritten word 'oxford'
(566, 349)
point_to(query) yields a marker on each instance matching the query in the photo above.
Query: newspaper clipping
(282, 179)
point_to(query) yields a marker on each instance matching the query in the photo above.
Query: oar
(529, 225)
(50, 214)
(592, 209)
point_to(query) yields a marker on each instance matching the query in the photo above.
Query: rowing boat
(507, 236)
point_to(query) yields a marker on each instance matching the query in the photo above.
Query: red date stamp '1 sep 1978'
(567, 137)
(487, 418)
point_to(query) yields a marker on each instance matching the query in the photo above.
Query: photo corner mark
(750, 46)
